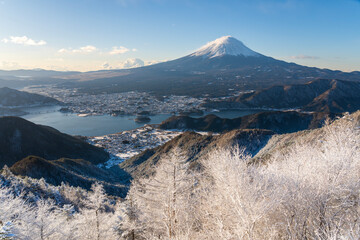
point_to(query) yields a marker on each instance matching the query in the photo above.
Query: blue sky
(102, 34)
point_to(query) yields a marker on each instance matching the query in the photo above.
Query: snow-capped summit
(226, 45)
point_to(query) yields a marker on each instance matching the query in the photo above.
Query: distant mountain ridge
(33, 73)
(321, 95)
(14, 98)
(26, 77)
(276, 121)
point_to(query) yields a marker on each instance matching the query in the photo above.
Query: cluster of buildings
(127, 103)
(127, 144)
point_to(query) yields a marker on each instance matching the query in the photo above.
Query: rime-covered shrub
(308, 192)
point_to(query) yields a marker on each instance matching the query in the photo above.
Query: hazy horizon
(88, 35)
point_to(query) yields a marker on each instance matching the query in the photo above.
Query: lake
(100, 125)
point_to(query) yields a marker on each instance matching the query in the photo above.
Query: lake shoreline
(99, 125)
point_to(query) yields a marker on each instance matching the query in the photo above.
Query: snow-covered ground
(127, 144)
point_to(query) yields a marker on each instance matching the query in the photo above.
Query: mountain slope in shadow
(20, 138)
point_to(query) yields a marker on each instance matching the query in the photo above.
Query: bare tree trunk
(42, 232)
(97, 224)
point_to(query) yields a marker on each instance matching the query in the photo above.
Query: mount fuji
(221, 54)
(219, 68)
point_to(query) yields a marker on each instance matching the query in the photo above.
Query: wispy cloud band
(91, 49)
(304, 57)
(121, 50)
(85, 49)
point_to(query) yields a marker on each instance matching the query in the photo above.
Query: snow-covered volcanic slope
(223, 53)
(226, 45)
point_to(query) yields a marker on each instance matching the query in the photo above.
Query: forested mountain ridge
(20, 138)
(322, 95)
(277, 121)
(14, 98)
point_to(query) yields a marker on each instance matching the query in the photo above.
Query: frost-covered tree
(129, 225)
(309, 191)
(165, 200)
(7, 231)
(48, 221)
(14, 212)
(40, 220)
(238, 199)
(72, 195)
(95, 220)
(322, 182)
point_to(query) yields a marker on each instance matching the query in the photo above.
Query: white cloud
(119, 50)
(85, 49)
(24, 40)
(132, 63)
